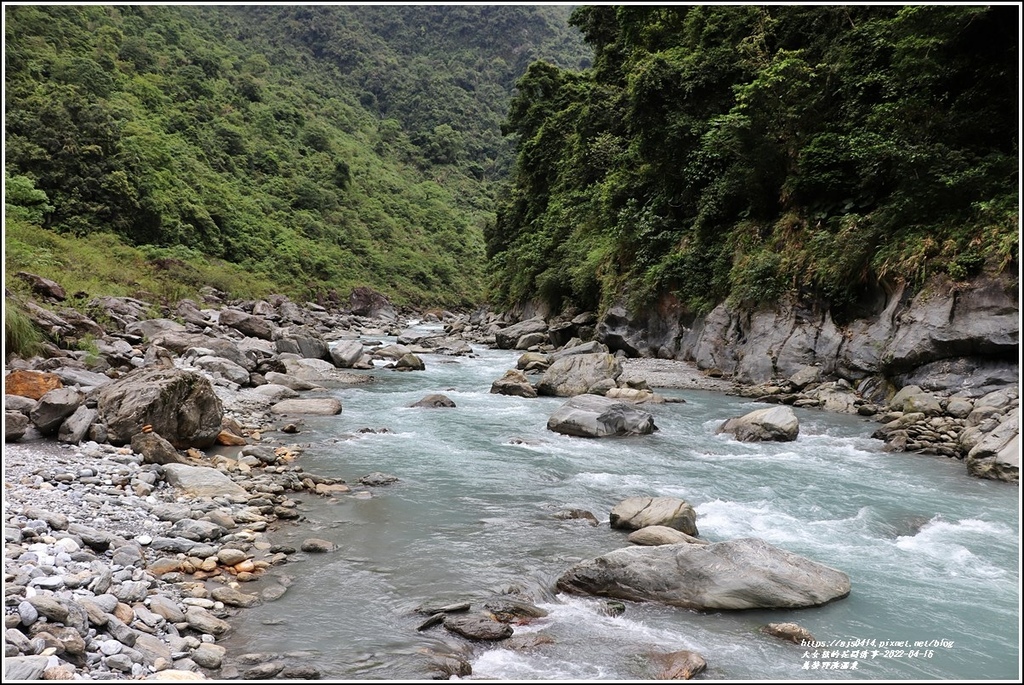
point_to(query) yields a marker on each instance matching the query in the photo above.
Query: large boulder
(31, 384)
(202, 481)
(997, 455)
(303, 341)
(179, 405)
(746, 573)
(576, 374)
(514, 382)
(246, 324)
(15, 425)
(592, 416)
(775, 423)
(634, 513)
(364, 301)
(507, 338)
(53, 407)
(346, 353)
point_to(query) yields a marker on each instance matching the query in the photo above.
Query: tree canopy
(748, 151)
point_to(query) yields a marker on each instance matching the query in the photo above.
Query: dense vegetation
(298, 149)
(753, 151)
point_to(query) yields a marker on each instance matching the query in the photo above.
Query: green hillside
(746, 152)
(298, 149)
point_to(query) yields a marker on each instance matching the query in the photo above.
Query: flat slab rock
(746, 573)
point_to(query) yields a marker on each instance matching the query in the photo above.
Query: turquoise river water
(933, 554)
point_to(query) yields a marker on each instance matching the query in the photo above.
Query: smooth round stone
(144, 539)
(110, 647)
(28, 613)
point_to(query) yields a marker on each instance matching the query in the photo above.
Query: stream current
(932, 554)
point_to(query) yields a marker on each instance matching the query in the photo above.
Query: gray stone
(179, 405)
(55, 520)
(317, 545)
(576, 374)
(202, 620)
(514, 383)
(506, 338)
(434, 401)
(247, 324)
(155, 450)
(224, 368)
(192, 529)
(593, 416)
(788, 631)
(346, 353)
(25, 668)
(15, 425)
(235, 598)
(292, 382)
(997, 454)
(167, 608)
(681, 665)
(634, 513)
(477, 627)
(325, 406)
(76, 427)
(53, 609)
(409, 362)
(209, 655)
(737, 574)
(54, 407)
(662, 535)
(775, 423)
(201, 481)
(303, 341)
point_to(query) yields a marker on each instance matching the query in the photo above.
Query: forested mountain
(752, 151)
(257, 148)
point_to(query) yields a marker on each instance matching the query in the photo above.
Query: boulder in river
(477, 626)
(577, 374)
(746, 573)
(681, 665)
(434, 401)
(592, 416)
(775, 423)
(514, 383)
(634, 513)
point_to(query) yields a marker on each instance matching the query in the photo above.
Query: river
(932, 554)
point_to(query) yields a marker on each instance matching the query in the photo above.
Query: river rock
(324, 406)
(435, 401)
(788, 631)
(581, 514)
(317, 545)
(592, 416)
(235, 598)
(179, 405)
(514, 383)
(365, 301)
(53, 407)
(409, 362)
(477, 627)
(533, 361)
(202, 481)
(577, 374)
(774, 423)
(303, 341)
(76, 427)
(208, 655)
(202, 620)
(15, 425)
(20, 668)
(635, 395)
(634, 513)
(346, 353)
(246, 324)
(745, 573)
(997, 455)
(681, 665)
(509, 610)
(662, 535)
(506, 338)
(155, 450)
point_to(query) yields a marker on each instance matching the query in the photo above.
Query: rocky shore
(149, 460)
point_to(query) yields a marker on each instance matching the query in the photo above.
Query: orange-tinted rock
(226, 437)
(31, 384)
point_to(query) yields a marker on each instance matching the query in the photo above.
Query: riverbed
(932, 554)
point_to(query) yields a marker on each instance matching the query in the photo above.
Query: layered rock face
(947, 337)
